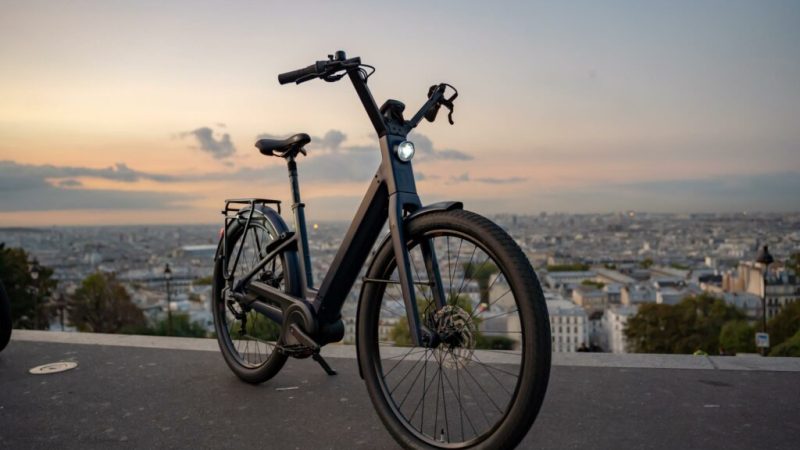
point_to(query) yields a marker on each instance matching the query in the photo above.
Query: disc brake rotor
(458, 336)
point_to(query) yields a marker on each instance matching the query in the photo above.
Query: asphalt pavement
(133, 397)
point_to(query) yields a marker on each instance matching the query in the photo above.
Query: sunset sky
(146, 112)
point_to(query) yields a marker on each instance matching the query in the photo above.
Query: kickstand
(318, 358)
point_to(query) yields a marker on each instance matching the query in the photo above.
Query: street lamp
(61, 303)
(766, 259)
(34, 270)
(168, 278)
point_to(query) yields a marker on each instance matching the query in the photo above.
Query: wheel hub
(457, 333)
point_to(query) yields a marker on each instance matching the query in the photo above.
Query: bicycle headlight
(405, 151)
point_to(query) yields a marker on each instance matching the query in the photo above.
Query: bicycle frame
(392, 196)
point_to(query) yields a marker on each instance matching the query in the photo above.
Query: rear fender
(273, 220)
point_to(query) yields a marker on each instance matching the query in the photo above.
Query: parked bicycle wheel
(484, 383)
(5, 318)
(248, 339)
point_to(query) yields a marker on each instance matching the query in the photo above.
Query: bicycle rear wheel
(249, 340)
(483, 384)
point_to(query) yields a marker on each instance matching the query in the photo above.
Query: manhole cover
(53, 368)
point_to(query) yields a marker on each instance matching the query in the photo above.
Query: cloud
(509, 180)
(69, 182)
(26, 187)
(51, 198)
(425, 149)
(455, 179)
(775, 191)
(333, 139)
(466, 178)
(15, 174)
(331, 160)
(219, 148)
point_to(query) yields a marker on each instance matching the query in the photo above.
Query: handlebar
(295, 75)
(320, 69)
(332, 70)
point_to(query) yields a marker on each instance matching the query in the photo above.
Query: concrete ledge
(629, 360)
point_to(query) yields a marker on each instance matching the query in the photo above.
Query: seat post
(300, 220)
(295, 183)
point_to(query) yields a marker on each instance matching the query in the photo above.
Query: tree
(593, 283)
(401, 334)
(793, 263)
(204, 281)
(737, 336)
(259, 327)
(693, 324)
(652, 328)
(481, 274)
(785, 324)
(28, 295)
(576, 267)
(789, 347)
(182, 326)
(102, 305)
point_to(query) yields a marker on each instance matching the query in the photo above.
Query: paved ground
(131, 397)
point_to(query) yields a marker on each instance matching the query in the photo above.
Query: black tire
(5, 318)
(243, 351)
(506, 426)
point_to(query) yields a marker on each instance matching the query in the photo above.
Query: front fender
(433, 207)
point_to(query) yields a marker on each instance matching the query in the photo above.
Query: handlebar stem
(367, 100)
(432, 101)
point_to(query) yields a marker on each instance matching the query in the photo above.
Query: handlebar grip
(295, 75)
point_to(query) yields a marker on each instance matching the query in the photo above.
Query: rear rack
(231, 211)
(248, 201)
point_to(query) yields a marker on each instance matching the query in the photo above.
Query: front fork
(421, 336)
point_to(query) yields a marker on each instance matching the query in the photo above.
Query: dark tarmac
(127, 397)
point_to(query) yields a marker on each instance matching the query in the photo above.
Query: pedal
(319, 359)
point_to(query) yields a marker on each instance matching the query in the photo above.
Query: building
(609, 276)
(780, 287)
(748, 303)
(637, 294)
(597, 332)
(780, 290)
(568, 324)
(500, 319)
(557, 280)
(614, 322)
(590, 298)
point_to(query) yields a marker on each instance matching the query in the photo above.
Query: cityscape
(596, 270)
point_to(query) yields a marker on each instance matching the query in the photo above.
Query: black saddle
(284, 148)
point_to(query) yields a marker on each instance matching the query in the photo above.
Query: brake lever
(448, 103)
(430, 116)
(333, 77)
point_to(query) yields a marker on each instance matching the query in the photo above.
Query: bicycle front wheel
(483, 384)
